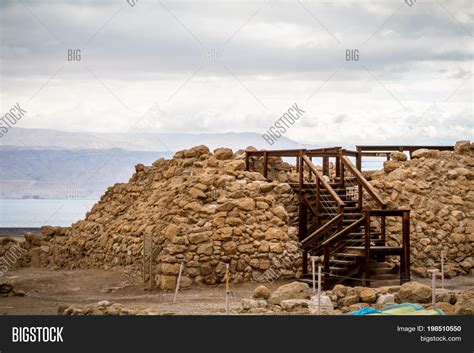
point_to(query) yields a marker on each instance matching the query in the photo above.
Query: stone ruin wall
(205, 210)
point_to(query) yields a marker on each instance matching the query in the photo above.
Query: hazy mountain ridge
(67, 174)
(46, 163)
(56, 139)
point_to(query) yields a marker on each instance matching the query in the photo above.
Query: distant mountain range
(55, 139)
(66, 174)
(41, 163)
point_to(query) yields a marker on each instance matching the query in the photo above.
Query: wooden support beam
(326, 267)
(326, 165)
(309, 169)
(318, 203)
(359, 159)
(303, 221)
(305, 262)
(300, 174)
(342, 175)
(367, 250)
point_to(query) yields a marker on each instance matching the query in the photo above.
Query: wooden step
(348, 255)
(383, 271)
(361, 242)
(342, 262)
(335, 269)
(347, 215)
(384, 276)
(385, 283)
(395, 250)
(360, 234)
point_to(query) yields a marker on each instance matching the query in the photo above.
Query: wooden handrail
(325, 184)
(310, 206)
(385, 212)
(343, 232)
(362, 181)
(322, 229)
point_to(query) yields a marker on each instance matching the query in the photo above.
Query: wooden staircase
(343, 220)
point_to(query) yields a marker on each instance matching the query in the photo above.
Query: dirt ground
(47, 289)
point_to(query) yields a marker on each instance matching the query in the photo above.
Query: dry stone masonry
(200, 208)
(438, 187)
(204, 210)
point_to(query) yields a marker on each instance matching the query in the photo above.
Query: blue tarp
(398, 309)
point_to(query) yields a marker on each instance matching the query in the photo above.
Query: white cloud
(275, 54)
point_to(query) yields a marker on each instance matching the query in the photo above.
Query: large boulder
(390, 166)
(294, 304)
(465, 303)
(462, 147)
(398, 156)
(294, 290)
(6, 288)
(387, 298)
(447, 308)
(223, 153)
(51, 231)
(425, 153)
(261, 292)
(327, 307)
(414, 292)
(368, 295)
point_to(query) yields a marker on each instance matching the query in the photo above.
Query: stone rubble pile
(438, 187)
(297, 298)
(7, 289)
(200, 208)
(105, 307)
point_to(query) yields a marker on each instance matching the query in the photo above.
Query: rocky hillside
(438, 187)
(201, 209)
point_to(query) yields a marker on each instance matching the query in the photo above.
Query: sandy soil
(46, 289)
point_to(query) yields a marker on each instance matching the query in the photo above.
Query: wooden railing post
(265, 163)
(326, 165)
(406, 245)
(359, 159)
(309, 169)
(383, 221)
(300, 171)
(367, 249)
(318, 205)
(383, 237)
(340, 210)
(247, 160)
(342, 174)
(326, 266)
(303, 221)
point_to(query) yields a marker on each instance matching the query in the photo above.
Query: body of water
(37, 213)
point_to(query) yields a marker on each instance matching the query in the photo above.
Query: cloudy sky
(218, 66)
